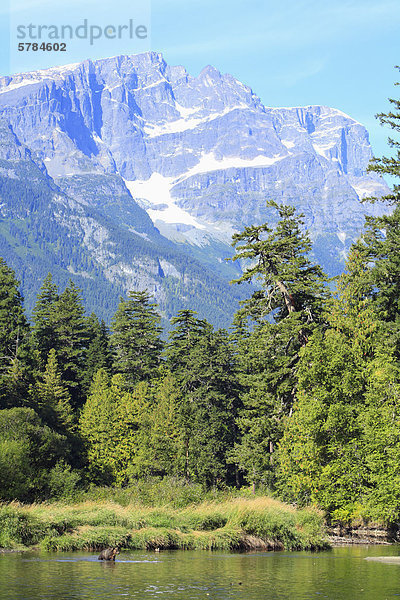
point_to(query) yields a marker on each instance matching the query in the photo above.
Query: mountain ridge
(180, 163)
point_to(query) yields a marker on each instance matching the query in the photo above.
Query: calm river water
(338, 574)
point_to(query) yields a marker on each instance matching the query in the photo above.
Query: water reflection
(340, 574)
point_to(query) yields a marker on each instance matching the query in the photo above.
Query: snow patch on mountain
(288, 144)
(366, 188)
(322, 150)
(186, 123)
(326, 112)
(9, 84)
(155, 193)
(158, 202)
(209, 162)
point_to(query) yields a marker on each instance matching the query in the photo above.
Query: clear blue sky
(291, 52)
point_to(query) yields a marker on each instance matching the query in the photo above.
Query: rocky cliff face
(182, 162)
(43, 228)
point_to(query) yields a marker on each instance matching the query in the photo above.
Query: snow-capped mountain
(199, 154)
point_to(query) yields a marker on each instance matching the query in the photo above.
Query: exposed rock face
(372, 533)
(200, 155)
(44, 229)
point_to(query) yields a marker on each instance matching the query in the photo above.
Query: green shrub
(17, 527)
(63, 481)
(24, 465)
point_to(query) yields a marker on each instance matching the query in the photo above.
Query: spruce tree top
(389, 165)
(277, 258)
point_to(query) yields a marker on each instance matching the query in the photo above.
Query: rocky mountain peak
(198, 155)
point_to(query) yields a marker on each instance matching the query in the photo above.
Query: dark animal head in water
(108, 554)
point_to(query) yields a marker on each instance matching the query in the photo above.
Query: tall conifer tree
(60, 324)
(71, 338)
(108, 424)
(53, 399)
(202, 362)
(99, 354)
(282, 313)
(14, 341)
(44, 336)
(136, 338)
(341, 447)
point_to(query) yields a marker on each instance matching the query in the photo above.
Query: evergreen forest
(300, 397)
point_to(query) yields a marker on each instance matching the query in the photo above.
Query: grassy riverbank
(238, 523)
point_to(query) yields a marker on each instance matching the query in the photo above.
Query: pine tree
(128, 409)
(60, 324)
(96, 426)
(165, 443)
(202, 362)
(53, 399)
(159, 444)
(182, 340)
(99, 355)
(108, 424)
(282, 314)
(263, 387)
(216, 404)
(390, 165)
(290, 283)
(136, 338)
(44, 336)
(14, 341)
(71, 340)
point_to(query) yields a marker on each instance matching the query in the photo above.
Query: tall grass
(154, 491)
(236, 523)
(18, 527)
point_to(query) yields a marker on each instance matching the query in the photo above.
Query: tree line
(301, 395)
